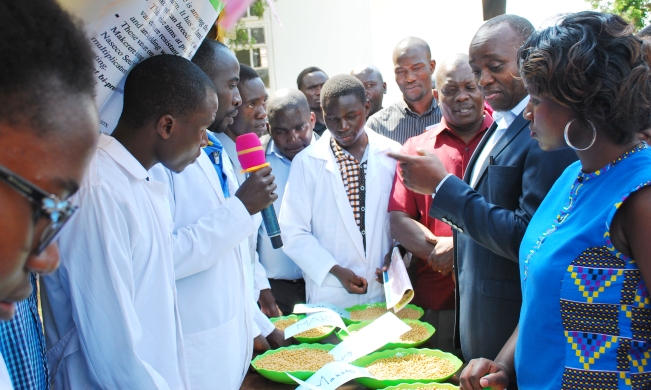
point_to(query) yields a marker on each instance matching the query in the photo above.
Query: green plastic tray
(303, 339)
(341, 335)
(282, 377)
(409, 386)
(382, 304)
(381, 384)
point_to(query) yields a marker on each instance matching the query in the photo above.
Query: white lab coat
(214, 274)
(110, 312)
(318, 227)
(260, 280)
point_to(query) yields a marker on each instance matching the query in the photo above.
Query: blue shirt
(275, 262)
(586, 312)
(22, 345)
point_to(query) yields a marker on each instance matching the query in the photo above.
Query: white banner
(125, 32)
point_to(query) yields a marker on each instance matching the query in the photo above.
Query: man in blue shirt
(290, 127)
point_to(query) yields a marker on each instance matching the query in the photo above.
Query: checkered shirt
(353, 174)
(22, 345)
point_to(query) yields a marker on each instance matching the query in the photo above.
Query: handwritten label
(331, 376)
(371, 337)
(323, 318)
(397, 287)
(317, 307)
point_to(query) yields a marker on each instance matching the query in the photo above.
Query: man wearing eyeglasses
(48, 132)
(113, 318)
(290, 126)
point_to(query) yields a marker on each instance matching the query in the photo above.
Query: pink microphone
(251, 156)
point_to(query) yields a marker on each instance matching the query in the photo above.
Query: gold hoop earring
(567, 139)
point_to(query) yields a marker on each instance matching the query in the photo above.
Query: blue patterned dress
(586, 316)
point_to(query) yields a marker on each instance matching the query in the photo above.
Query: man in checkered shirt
(334, 218)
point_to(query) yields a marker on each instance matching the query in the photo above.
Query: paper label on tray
(371, 337)
(317, 307)
(331, 376)
(322, 318)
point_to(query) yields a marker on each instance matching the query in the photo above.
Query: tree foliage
(637, 12)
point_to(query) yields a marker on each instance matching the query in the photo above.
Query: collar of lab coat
(322, 150)
(377, 145)
(122, 156)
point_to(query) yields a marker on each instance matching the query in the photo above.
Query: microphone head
(249, 151)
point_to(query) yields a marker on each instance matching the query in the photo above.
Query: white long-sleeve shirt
(111, 319)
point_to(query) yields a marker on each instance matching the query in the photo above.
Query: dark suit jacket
(488, 223)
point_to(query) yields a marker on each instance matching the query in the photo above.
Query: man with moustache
(310, 81)
(334, 217)
(48, 133)
(251, 118)
(213, 218)
(111, 311)
(375, 86)
(453, 140)
(489, 209)
(290, 129)
(413, 67)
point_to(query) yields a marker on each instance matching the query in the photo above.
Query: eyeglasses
(45, 205)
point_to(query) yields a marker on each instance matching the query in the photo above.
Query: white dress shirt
(276, 263)
(110, 313)
(503, 120)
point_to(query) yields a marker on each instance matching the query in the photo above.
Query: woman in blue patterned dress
(585, 260)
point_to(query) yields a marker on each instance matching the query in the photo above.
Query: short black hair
(160, 85)
(209, 56)
(286, 99)
(645, 32)
(247, 73)
(592, 63)
(46, 57)
(518, 24)
(343, 85)
(311, 69)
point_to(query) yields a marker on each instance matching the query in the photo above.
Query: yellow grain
(303, 359)
(311, 333)
(414, 366)
(374, 312)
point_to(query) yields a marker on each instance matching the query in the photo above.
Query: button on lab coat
(319, 229)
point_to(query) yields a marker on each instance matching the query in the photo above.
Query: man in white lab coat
(334, 218)
(213, 217)
(111, 313)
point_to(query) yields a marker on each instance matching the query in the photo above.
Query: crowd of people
(514, 178)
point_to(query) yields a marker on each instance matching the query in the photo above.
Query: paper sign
(331, 376)
(397, 286)
(123, 33)
(323, 318)
(317, 307)
(371, 337)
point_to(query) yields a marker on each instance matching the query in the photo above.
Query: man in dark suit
(506, 179)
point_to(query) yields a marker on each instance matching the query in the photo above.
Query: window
(255, 55)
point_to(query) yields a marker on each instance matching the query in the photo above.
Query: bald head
(413, 66)
(284, 100)
(451, 64)
(374, 85)
(411, 44)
